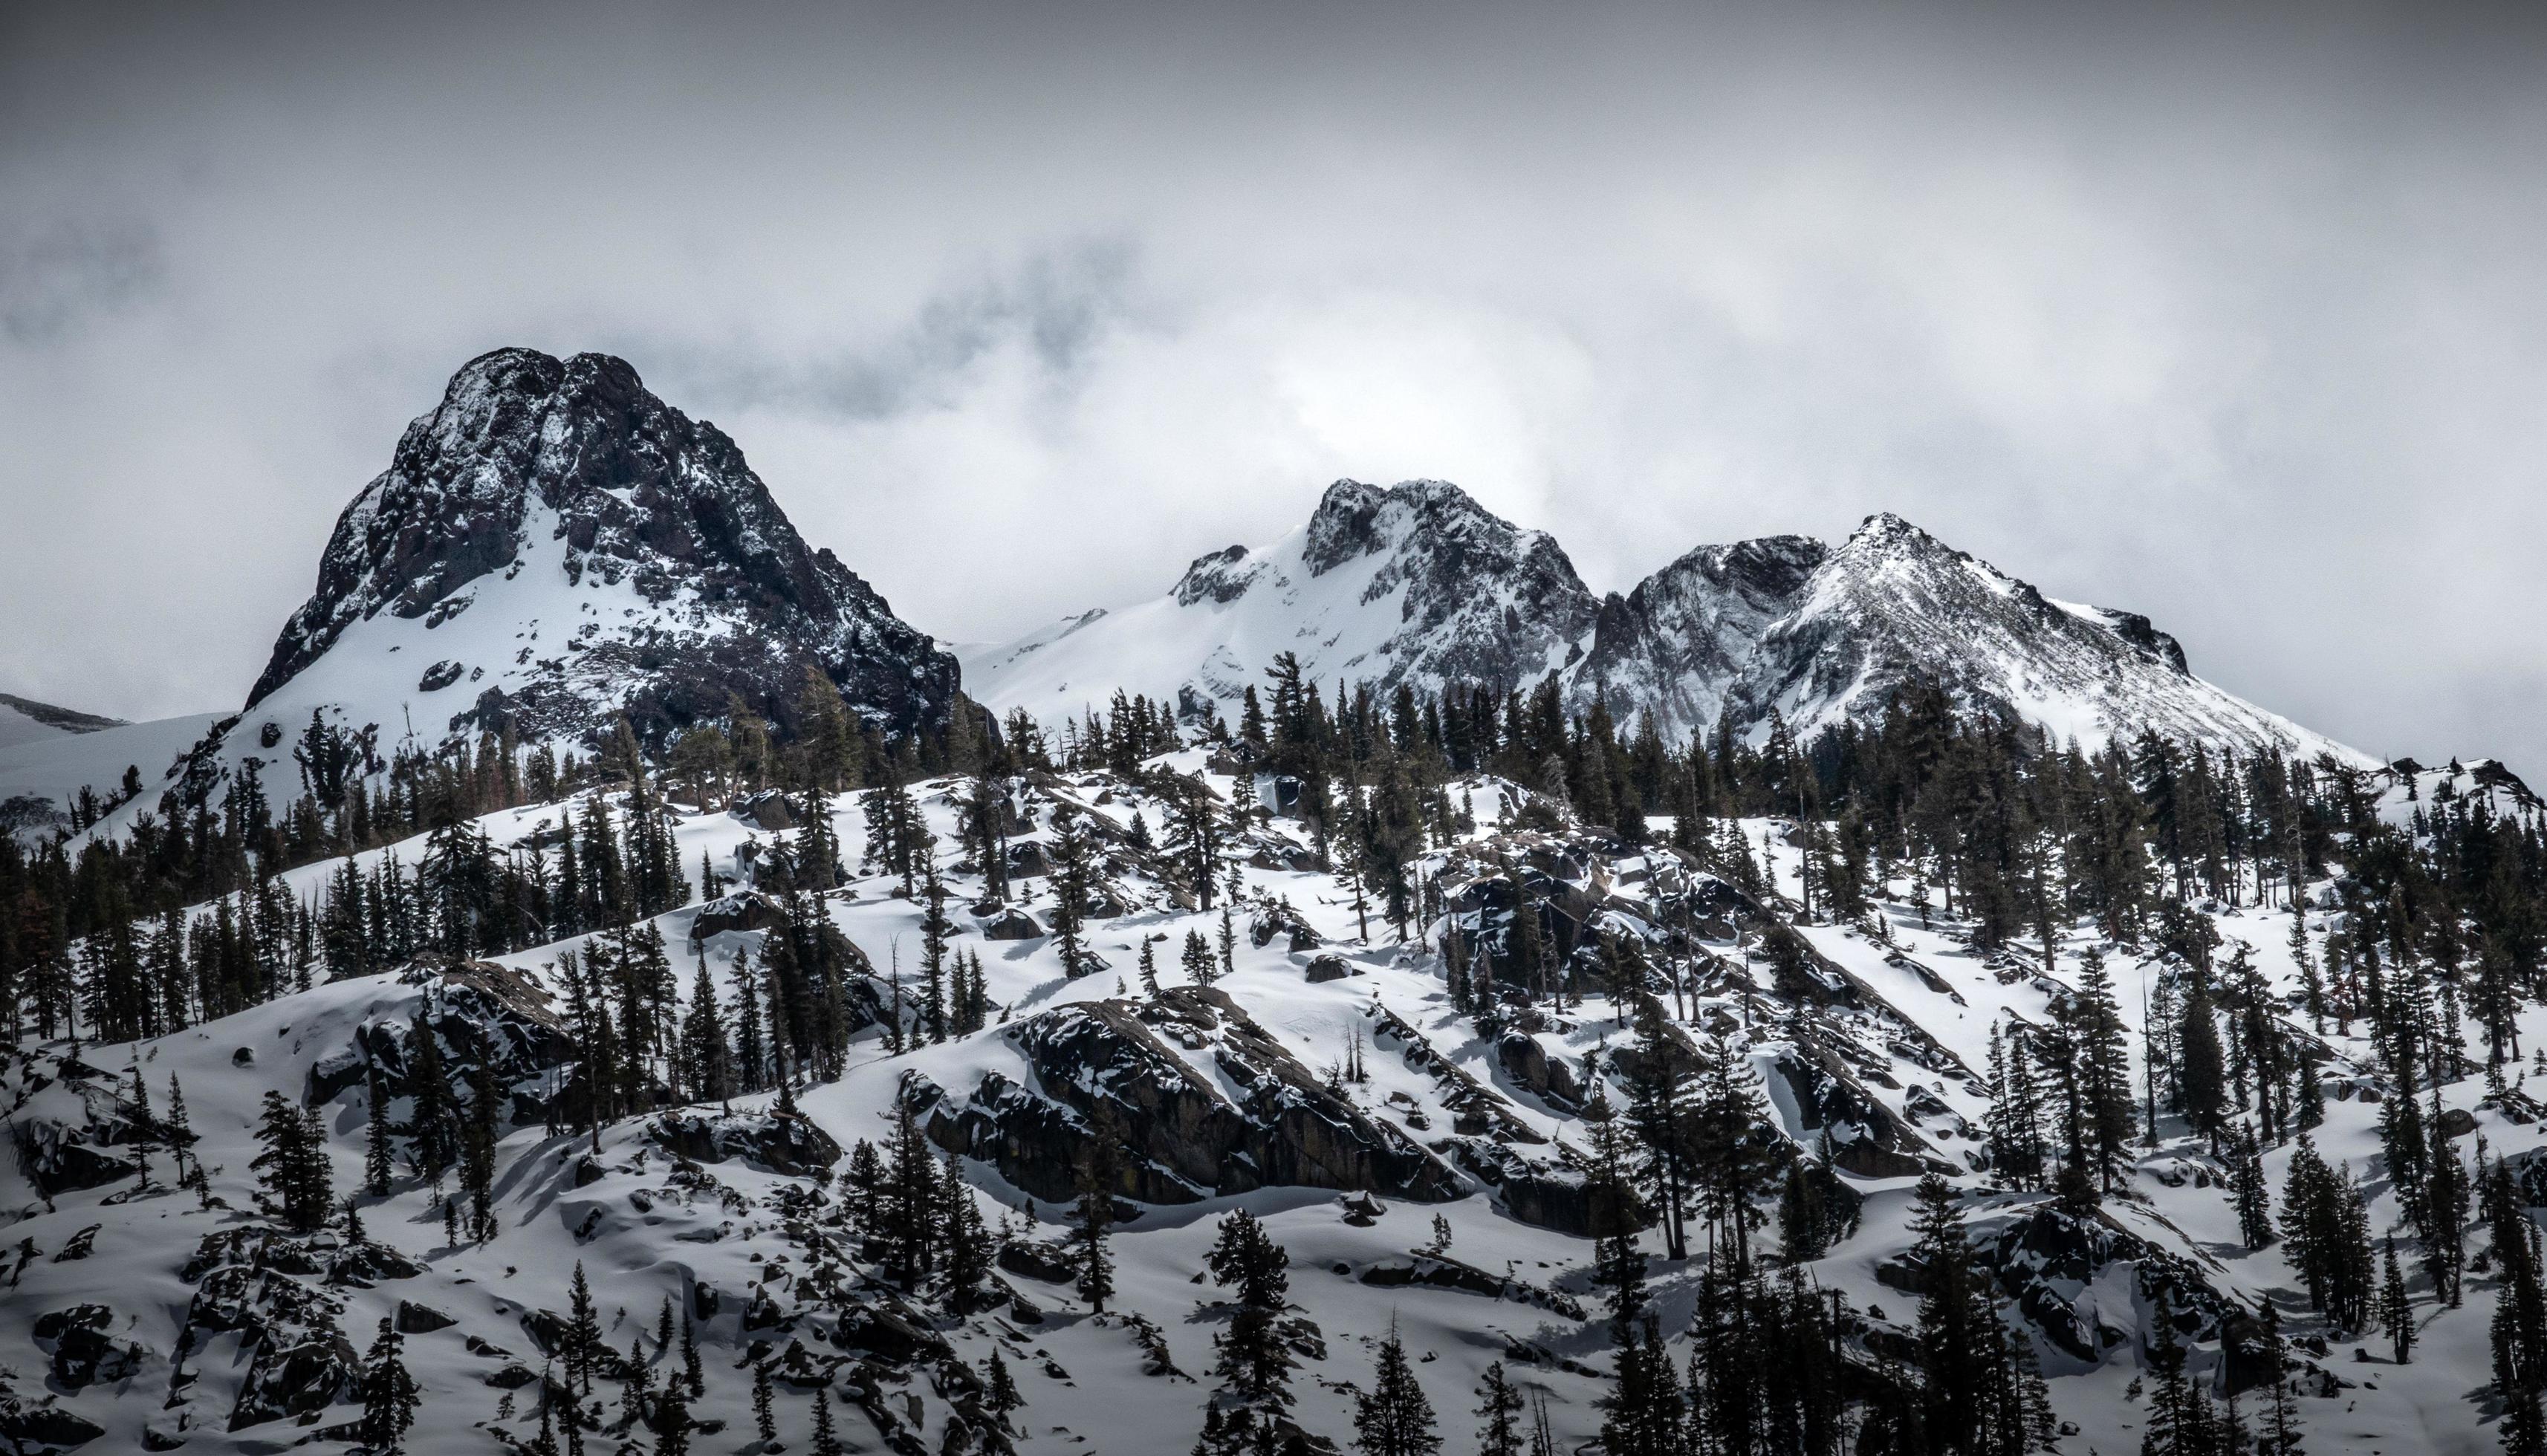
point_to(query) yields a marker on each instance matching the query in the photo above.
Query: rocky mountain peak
(610, 554)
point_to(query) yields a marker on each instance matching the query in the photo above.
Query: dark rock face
(2047, 1261)
(1186, 1140)
(262, 1283)
(1486, 603)
(1866, 1139)
(1527, 1064)
(745, 909)
(782, 1145)
(1011, 924)
(479, 1011)
(1678, 643)
(60, 1161)
(416, 1319)
(618, 485)
(33, 1426)
(84, 1354)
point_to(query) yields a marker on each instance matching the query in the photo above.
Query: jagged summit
(1414, 583)
(1418, 583)
(1893, 604)
(1676, 645)
(553, 545)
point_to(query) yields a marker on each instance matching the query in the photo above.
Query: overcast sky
(2237, 321)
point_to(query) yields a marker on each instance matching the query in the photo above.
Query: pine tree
(672, 1424)
(1200, 967)
(181, 1144)
(706, 1059)
(1254, 1359)
(376, 1134)
(765, 1414)
(1499, 1405)
(389, 1395)
(1619, 1265)
(826, 1442)
(2202, 1083)
(2253, 1197)
(1001, 1395)
(2280, 1435)
(583, 1341)
(693, 1373)
(292, 1170)
(1393, 1418)
(2396, 1309)
(1100, 1168)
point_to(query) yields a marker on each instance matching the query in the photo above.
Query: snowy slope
(1411, 583)
(57, 765)
(732, 1240)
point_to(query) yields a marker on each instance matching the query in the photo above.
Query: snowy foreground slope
(135, 1318)
(1417, 584)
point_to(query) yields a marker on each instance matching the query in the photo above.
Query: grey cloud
(54, 271)
(2233, 316)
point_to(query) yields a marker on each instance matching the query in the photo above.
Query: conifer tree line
(98, 945)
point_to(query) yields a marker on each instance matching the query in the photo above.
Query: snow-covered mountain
(1412, 583)
(1679, 644)
(1418, 583)
(1822, 636)
(26, 721)
(553, 545)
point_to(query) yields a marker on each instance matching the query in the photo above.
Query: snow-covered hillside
(54, 766)
(1423, 1170)
(1893, 604)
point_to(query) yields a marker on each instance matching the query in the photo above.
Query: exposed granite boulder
(744, 909)
(792, 1146)
(1188, 1140)
(83, 1352)
(478, 1012)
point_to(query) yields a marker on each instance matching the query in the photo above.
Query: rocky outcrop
(1864, 1136)
(262, 1284)
(1186, 1140)
(478, 1012)
(2052, 1263)
(1412, 583)
(792, 1146)
(744, 909)
(83, 1352)
(1677, 644)
(31, 1427)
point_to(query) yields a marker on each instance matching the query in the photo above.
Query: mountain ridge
(1738, 634)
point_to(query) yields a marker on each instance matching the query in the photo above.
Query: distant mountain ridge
(1417, 585)
(45, 716)
(1414, 583)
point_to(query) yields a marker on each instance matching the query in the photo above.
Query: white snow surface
(642, 1236)
(57, 765)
